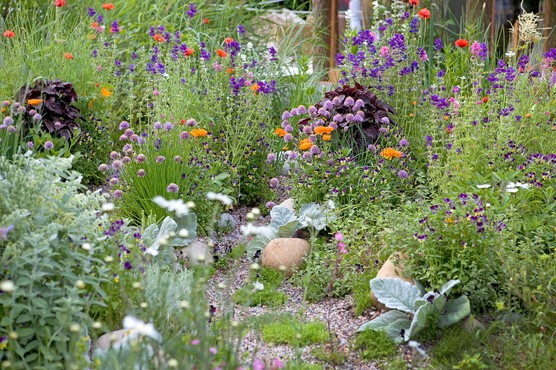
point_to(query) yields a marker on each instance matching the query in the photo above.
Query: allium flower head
(172, 188)
(48, 145)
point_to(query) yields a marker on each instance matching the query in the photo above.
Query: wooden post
(333, 32)
(321, 13)
(550, 21)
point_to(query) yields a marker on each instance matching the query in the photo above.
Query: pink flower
(339, 236)
(195, 342)
(277, 364)
(258, 364)
(384, 51)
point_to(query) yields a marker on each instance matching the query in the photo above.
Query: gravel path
(335, 312)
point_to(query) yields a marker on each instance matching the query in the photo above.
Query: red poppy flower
(221, 53)
(60, 3)
(462, 43)
(188, 52)
(68, 56)
(108, 6)
(206, 21)
(9, 34)
(485, 99)
(159, 38)
(414, 2)
(228, 40)
(424, 13)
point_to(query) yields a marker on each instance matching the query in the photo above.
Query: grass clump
(375, 344)
(293, 331)
(262, 289)
(362, 292)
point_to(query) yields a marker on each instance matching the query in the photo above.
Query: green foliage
(362, 292)
(252, 295)
(429, 310)
(294, 332)
(375, 344)
(54, 256)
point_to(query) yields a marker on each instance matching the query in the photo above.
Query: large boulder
(285, 254)
(392, 268)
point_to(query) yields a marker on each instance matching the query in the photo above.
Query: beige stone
(112, 339)
(391, 270)
(195, 253)
(285, 254)
(288, 203)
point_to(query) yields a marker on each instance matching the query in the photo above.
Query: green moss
(237, 252)
(375, 344)
(293, 331)
(362, 292)
(302, 366)
(247, 296)
(268, 296)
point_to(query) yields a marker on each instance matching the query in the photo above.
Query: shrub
(53, 254)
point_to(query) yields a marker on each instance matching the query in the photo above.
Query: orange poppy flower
(255, 88)
(414, 2)
(230, 70)
(68, 56)
(206, 21)
(326, 137)
(188, 52)
(159, 38)
(105, 92)
(9, 34)
(462, 43)
(424, 13)
(34, 102)
(228, 40)
(280, 132)
(390, 153)
(221, 53)
(485, 99)
(305, 144)
(199, 132)
(94, 25)
(319, 130)
(528, 115)
(108, 6)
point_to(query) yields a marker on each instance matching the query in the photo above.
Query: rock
(389, 270)
(195, 253)
(288, 203)
(471, 324)
(285, 254)
(108, 340)
(226, 222)
(277, 24)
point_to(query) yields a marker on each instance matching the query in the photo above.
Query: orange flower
(9, 34)
(228, 40)
(105, 92)
(206, 21)
(68, 56)
(528, 115)
(255, 88)
(199, 132)
(305, 144)
(60, 3)
(414, 2)
(108, 6)
(230, 70)
(280, 132)
(319, 130)
(424, 13)
(462, 43)
(188, 52)
(91, 103)
(390, 153)
(221, 53)
(94, 25)
(326, 137)
(34, 102)
(159, 38)
(485, 99)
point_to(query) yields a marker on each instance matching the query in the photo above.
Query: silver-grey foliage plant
(412, 310)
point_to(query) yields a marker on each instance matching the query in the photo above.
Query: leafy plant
(405, 300)
(375, 344)
(359, 109)
(284, 224)
(53, 101)
(171, 233)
